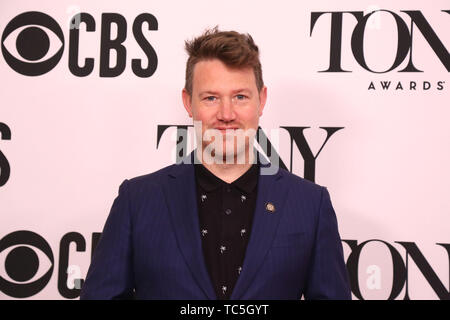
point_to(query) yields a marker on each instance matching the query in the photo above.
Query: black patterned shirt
(225, 215)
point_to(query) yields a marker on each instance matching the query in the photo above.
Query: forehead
(214, 75)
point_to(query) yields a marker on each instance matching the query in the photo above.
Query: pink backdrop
(75, 139)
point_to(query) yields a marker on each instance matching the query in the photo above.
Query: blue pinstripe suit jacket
(151, 246)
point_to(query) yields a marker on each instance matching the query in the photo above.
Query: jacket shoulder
(296, 181)
(303, 192)
(152, 176)
(149, 181)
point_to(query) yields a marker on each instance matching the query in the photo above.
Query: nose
(226, 111)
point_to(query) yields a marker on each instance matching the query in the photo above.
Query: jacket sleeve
(328, 276)
(110, 275)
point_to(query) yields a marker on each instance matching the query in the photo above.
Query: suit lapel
(180, 192)
(265, 224)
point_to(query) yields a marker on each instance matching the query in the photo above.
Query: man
(215, 226)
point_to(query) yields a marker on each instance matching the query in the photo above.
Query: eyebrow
(216, 93)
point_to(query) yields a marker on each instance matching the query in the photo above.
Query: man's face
(224, 98)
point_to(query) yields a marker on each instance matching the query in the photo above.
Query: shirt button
(228, 211)
(228, 189)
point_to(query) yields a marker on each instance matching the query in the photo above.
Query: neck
(227, 172)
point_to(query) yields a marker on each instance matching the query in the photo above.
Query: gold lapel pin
(270, 207)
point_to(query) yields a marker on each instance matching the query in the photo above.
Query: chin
(236, 152)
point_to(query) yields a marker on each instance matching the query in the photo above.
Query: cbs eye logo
(22, 255)
(33, 43)
(32, 33)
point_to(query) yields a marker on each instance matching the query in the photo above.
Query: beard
(229, 147)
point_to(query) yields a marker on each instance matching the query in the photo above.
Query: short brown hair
(235, 50)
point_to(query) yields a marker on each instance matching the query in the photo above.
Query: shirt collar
(209, 182)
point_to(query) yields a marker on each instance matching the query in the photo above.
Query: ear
(262, 99)
(187, 101)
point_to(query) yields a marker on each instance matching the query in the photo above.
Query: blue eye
(210, 98)
(240, 97)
